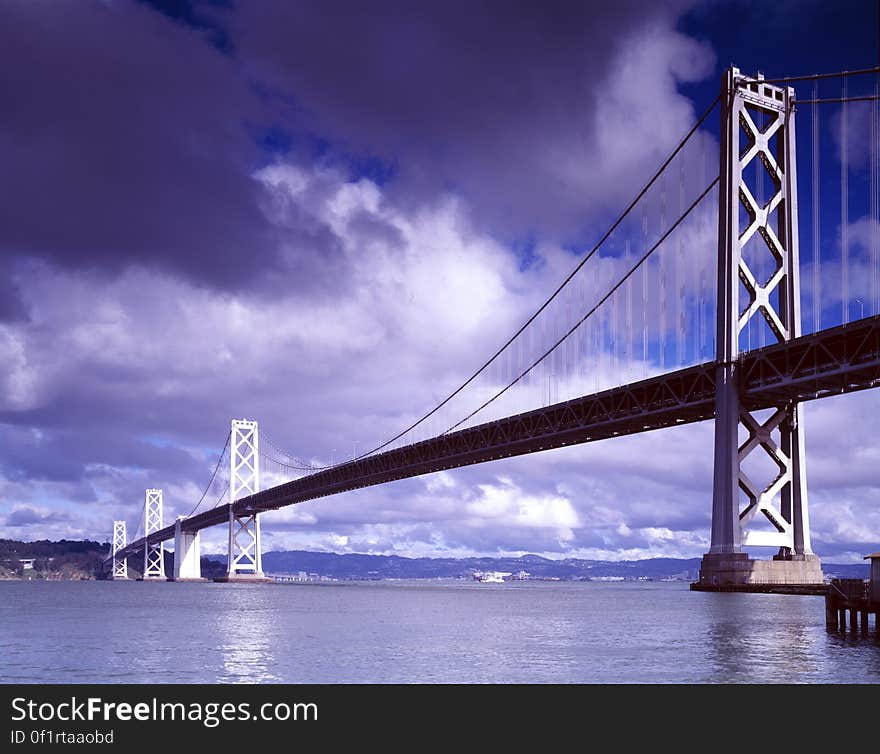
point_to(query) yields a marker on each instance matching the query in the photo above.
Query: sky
(324, 215)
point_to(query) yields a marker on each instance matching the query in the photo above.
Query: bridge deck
(831, 362)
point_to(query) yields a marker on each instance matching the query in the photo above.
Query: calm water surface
(415, 632)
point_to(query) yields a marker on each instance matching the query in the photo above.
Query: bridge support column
(245, 555)
(187, 554)
(757, 133)
(120, 564)
(154, 554)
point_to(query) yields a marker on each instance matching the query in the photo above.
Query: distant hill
(352, 566)
(396, 567)
(44, 548)
(846, 570)
(62, 560)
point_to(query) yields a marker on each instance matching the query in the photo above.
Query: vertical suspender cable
(875, 197)
(600, 347)
(597, 350)
(612, 341)
(511, 355)
(579, 354)
(844, 211)
(679, 288)
(569, 344)
(645, 292)
(551, 362)
(530, 378)
(543, 370)
(661, 264)
(522, 362)
(698, 344)
(629, 315)
(817, 292)
(554, 358)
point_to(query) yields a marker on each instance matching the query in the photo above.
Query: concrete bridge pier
(187, 554)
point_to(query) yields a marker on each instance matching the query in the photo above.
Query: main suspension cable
(828, 100)
(583, 319)
(216, 469)
(297, 464)
(817, 76)
(562, 285)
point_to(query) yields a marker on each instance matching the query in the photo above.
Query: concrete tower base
(721, 571)
(243, 578)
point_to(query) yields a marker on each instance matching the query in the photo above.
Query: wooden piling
(852, 596)
(830, 614)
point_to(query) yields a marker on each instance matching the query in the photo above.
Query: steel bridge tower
(154, 554)
(245, 554)
(757, 124)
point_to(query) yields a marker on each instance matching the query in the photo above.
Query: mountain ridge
(351, 566)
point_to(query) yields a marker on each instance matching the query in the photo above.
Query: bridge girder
(832, 362)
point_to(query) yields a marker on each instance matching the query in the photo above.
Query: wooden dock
(818, 589)
(852, 596)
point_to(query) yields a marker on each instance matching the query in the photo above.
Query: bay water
(420, 632)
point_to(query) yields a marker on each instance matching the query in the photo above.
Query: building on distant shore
(26, 564)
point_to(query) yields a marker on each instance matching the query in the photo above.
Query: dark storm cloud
(91, 397)
(64, 456)
(123, 140)
(130, 134)
(12, 307)
(496, 100)
(26, 516)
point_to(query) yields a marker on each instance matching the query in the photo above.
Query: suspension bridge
(636, 338)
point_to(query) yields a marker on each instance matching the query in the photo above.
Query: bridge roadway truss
(839, 360)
